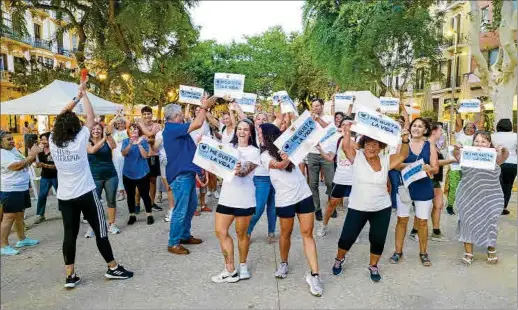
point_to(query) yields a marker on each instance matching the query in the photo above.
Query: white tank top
(226, 137)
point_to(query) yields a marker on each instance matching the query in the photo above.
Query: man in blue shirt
(181, 172)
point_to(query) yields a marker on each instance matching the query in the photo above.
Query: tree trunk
(502, 96)
(159, 111)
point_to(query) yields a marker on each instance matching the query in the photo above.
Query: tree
(360, 43)
(500, 79)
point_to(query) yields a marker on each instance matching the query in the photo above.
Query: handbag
(404, 193)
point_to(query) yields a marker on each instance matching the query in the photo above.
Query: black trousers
(90, 205)
(356, 220)
(130, 186)
(507, 177)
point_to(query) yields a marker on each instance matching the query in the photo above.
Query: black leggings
(507, 177)
(354, 223)
(93, 212)
(130, 186)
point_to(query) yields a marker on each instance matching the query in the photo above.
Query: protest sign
(331, 134)
(389, 105)
(478, 157)
(300, 137)
(469, 106)
(413, 172)
(376, 126)
(217, 158)
(282, 98)
(247, 102)
(190, 95)
(342, 102)
(231, 85)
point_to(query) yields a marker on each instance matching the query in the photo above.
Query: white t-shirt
(239, 192)
(344, 171)
(74, 175)
(204, 130)
(225, 136)
(13, 181)
(159, 138)
(260, 171)
(369, 192)
(118, 136)
(330, 121)
(509, 141)
(462, 138)
(290, 187)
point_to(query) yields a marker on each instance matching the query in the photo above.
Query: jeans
(507, 177)
(185, 203)
(394, 177)
(315, 163)
(110, 188)
(264, 196)
(45, 185)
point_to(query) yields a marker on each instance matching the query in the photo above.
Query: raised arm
(347, 145)
(327, 156)
(212, 120)
(238, 109)
(198, 120)
(87, 105)
(458, 121)
(502, 155)
(405, 115)
(481, 122)
(26, 162)
(397, 159)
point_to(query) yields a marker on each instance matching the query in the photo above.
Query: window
(492, 55)
(59, 40)
(37, 31)
(3, 62)
(420, 79)
(448, 74)
(435, 105)
(485, 14)
(49, 62)
(74, 41)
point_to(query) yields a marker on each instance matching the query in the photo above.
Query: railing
(11, 34)
(65, 52)
(461, 39)
(40, 43)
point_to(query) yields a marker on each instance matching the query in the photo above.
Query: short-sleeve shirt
(101, 163)
(179, 145)
(462, 138)
(47, 173)
(135, 166)
(159, 138)
(508, 140)
(13, 181)
(74, 175)
(343, 173)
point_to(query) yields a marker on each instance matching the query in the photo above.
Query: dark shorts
(235, 211)
(301, 207)
(154, 166)
(13, 202)
(340, 191)
(436, 184)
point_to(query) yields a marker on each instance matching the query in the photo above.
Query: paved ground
(34, 279)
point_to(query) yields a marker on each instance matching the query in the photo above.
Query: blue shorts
(340, 191)
(14, 202)
(235, 211)
(301, 207)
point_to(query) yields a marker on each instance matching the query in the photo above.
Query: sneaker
(137, 209)
(118, 273)
(197, 213)
(395, 258)
(209, 193)
(438, 237)
(90, 233)
(206, 209)
(150, 220)
(216, 195)
(335, 214)
(315, 284)
(132, 220)
(375, 274)
(120, 196)
(40, 219)
(9, 251)
(71, 281)
(167, 217)
(177, 249)
(505, 212)
(337, 266)
(225, 276)
(159, 198)
(414, 237)
(26, 242)
(318, 215)
(243, 272)
(450, 211)
(114, 229)
(322, 230)
(84, 221)
(156, 207)
(271, 238)
(282, 271)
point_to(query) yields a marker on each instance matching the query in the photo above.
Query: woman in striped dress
(480, 202)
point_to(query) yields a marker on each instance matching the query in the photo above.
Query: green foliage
(33, 76)
(430, 115)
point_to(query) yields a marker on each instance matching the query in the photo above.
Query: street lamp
(453, 79)
(102, 76)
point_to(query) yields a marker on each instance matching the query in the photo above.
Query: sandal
(395, 258)
(491, 257)
(468, 258)
(425, 260)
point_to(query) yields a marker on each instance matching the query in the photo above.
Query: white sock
(114, 268)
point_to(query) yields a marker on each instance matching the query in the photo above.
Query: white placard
(231, 85)
(413, 172)
(389, 105)
(282, 98)
(469, 106)
(331, 134)
(190, 95)
(300, 137)
(216, 157)
(478, 157)
(454, 165)
(247, 102)
(343, 101)
(376, 126)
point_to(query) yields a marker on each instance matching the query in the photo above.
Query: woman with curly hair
(77, 191)
(119, 129)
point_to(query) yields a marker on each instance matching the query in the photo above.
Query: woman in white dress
(119, 127)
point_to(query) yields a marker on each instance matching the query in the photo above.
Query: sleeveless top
(101, 163)
(421, 190)
(439, 176)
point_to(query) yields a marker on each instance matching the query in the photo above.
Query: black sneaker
(120, 273)
(505, 212)
(150, 220)
(157, 208)
(71, 281)
(375, 274)
(318, 215)
(132, 220)
(334, 215)
(449, 210)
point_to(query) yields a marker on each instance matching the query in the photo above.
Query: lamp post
(453, 81)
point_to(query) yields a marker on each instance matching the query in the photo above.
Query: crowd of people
(132, 161)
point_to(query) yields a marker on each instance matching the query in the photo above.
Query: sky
(225, 21)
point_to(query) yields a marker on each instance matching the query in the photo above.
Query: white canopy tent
(51, 99)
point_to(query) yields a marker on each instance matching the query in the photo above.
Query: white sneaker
(226, 276)
(209, 193)
(358, 240)
(414, 237)
(167, 216)
(243, 272)
(216, 195)
(322, 230)
(315, 285)
(90, 233)
(282, 271)
(114, 229)
(84, 221)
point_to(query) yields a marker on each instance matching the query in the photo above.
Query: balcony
(65, 52)
(44, 44)
(462, 39)
(15, 37)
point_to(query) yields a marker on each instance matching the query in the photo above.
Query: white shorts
(163, 165)
(422, 208)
